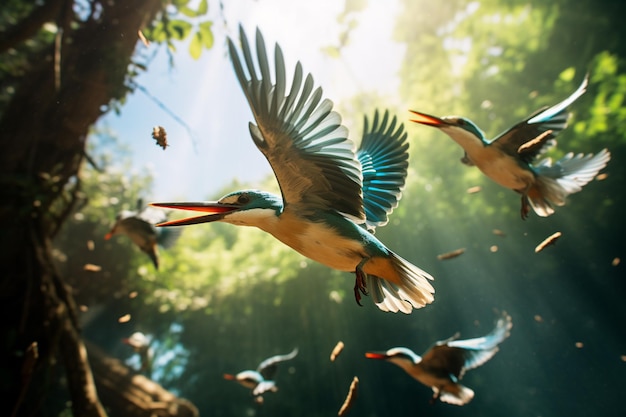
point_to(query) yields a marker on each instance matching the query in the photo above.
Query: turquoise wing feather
(384, 160)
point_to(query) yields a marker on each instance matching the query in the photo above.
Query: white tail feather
(461, 397)
(567, 176)
(414, 292)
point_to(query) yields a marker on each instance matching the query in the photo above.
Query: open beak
(375, 355)
(217, 210)
(427, 119)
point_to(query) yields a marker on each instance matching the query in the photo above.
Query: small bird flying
(139, 226)
(332, 197)
(509, 159)
(443, 365)
(141, 345)
(261, 380)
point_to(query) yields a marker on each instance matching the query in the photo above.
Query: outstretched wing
(384, 162)
(479, 350)
(299, 134)
(268, 367)
(548, 118)
(457, 356)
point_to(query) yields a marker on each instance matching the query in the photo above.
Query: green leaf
(195, 46)
(187, 11)
(179, 29)
(568, 74)
(203, 8)
(331, 51)
(207, 34)
(157, 33)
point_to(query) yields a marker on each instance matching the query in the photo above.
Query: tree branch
(28, 26)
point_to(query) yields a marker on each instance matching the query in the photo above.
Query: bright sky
(207, 96)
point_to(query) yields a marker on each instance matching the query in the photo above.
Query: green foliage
(203, 38)
(608, 112)
(349, 20)
(17, 60)
(214, 262)
(182, 22)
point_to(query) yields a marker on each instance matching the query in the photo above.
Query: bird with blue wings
(509, 159)
(261, 380)
(332, 197)
(443, 365)
(139, 226)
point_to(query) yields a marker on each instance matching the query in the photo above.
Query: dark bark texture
(63, 90)
(125, 392)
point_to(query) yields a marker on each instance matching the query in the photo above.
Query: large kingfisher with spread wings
(332, 196)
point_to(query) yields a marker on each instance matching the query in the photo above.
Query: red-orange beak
(427, 119)
(229, 377)
(375, 355)
(110, 234)
(217, 210)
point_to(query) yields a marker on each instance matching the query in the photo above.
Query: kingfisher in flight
(509, 159)
(139, 226)
(443, 365)
(261, 380)
(332, 196)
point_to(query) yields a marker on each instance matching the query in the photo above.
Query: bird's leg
(466, 160)
(360, 286)
(525, 207)
(435, 397)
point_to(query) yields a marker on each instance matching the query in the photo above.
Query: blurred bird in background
(141, 345)
(139, 226)
(509, 159)
(443, 365)
(261, 380)
(332, 197)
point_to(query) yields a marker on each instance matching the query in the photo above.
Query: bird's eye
(243, 199)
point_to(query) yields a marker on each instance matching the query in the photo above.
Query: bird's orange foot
(360, 286)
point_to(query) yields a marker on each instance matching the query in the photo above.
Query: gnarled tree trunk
(125, 392)
(43, 127)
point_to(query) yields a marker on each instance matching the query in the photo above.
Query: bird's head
(246, 207)
(401, 356)
(447, 122)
